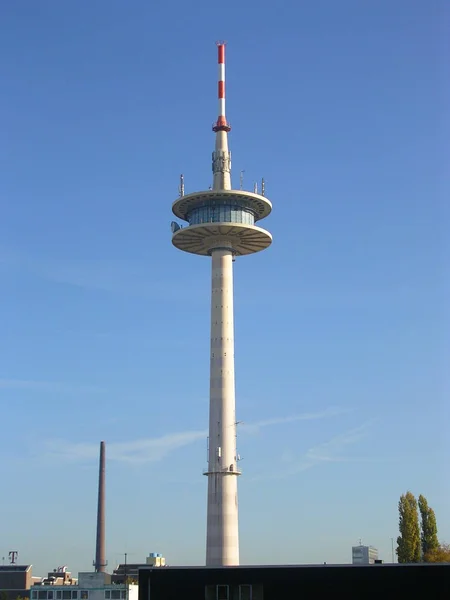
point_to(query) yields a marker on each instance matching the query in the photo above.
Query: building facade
(296, 581)
(90, 586)
(16, 580)
(364, 555)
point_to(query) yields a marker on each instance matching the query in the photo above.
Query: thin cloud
(124, 277)
(332, 450)
(313, 416)
(327, 452)
(137, 452)
(46, 386)
(155, 449)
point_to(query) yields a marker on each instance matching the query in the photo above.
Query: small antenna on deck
(255, 188)
(181, 188)
(241, 180)
(263, 187)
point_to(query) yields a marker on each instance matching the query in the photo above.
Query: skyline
(341, 388)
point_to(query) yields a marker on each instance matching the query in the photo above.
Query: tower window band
(222, 213)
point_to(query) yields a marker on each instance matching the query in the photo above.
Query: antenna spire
(221, 158)
(241, 180)
(181, 187)
(221, 123)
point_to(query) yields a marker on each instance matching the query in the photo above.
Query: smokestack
(100, 561)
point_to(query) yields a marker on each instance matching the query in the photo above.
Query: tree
(441, 554)
(429, 537)
(408, 542)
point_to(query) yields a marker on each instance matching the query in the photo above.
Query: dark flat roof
(14, 568)
(302, 566)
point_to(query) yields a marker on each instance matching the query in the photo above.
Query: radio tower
(221, 224)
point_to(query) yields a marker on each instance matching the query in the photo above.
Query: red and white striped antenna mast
(221, 158)
(221, 123)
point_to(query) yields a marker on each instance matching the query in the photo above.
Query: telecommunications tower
(221, 224)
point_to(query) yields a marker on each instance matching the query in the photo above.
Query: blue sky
(342, 327)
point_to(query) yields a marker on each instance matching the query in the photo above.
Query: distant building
(155, 560)
(15, 580)
(129, 571)
(90, 586)
(59, 576)
(364, 555)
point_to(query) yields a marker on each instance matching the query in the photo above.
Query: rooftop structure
(130, 571)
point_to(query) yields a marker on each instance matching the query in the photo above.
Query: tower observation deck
(221, 223)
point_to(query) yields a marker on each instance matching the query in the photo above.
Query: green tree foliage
(408, 542)
(429, 537)
(441, 554)
(4, 595)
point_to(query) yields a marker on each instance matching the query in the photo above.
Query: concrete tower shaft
(221, 224)
(222, 543)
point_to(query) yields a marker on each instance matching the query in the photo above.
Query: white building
(90, 586)
(156, 560)
(364, 555)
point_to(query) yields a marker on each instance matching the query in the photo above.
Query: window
(33, 595)
(222, 592)
(245, 592)
(50, 595)
(42, 595)
(223, 213)
(67, 595)
(58, 595)
(115, 594)
(84, 595)
(107, 595)
(124, 594)
(75, 595)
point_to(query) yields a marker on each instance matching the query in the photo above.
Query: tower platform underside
(202, 238)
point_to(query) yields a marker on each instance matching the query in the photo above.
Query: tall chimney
(100, 561)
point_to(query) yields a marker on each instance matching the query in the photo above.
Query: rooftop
(15, 568)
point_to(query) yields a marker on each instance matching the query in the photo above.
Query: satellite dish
(174, 226)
